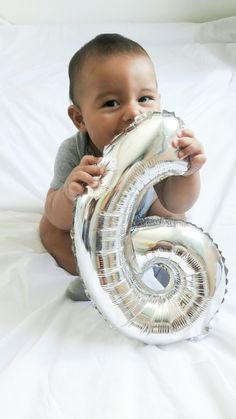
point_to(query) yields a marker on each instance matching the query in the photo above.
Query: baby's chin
(97, 151)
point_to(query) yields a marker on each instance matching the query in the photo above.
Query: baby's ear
(75, 115)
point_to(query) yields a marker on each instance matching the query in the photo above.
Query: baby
(112, 80)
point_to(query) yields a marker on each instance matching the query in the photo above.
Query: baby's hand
(191, 149)
(83, 175)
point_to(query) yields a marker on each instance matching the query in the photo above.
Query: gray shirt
(68, 157)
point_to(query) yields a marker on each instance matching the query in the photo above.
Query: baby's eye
(145, 99)
(111, 103)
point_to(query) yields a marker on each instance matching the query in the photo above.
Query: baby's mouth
(121, 130)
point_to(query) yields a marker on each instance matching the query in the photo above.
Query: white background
(94, 11)
(60, 359)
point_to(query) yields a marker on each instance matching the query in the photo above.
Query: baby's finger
(93, 170)
(182, 142)
(188, 151)
(85, 178)
(75, 189)
(185, 132)
(89, 160)
(185, 141)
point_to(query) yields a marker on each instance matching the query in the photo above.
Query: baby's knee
(51, 236)
(59, 244)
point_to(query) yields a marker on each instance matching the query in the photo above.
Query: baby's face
(115, 90)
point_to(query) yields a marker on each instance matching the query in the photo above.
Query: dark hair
(103, 45)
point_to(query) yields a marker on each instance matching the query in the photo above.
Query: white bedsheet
(59, 359)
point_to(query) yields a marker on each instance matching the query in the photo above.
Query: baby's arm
(178, 193)
(158, 209)
(59, 203)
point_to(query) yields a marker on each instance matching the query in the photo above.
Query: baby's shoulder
(72, 147)
(69, 144)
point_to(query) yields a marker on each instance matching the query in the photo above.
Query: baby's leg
(59, 244)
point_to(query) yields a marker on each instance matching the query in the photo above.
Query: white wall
(95, 11)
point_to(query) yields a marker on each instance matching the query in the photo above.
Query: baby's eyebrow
(149, 90)
(105, 94)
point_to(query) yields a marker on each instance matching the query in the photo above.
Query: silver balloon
(159, 280)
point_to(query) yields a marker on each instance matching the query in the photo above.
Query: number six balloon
(158, 280)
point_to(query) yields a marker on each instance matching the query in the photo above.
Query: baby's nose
(131, 111)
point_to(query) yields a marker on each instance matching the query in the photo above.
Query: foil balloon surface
(159, 280)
